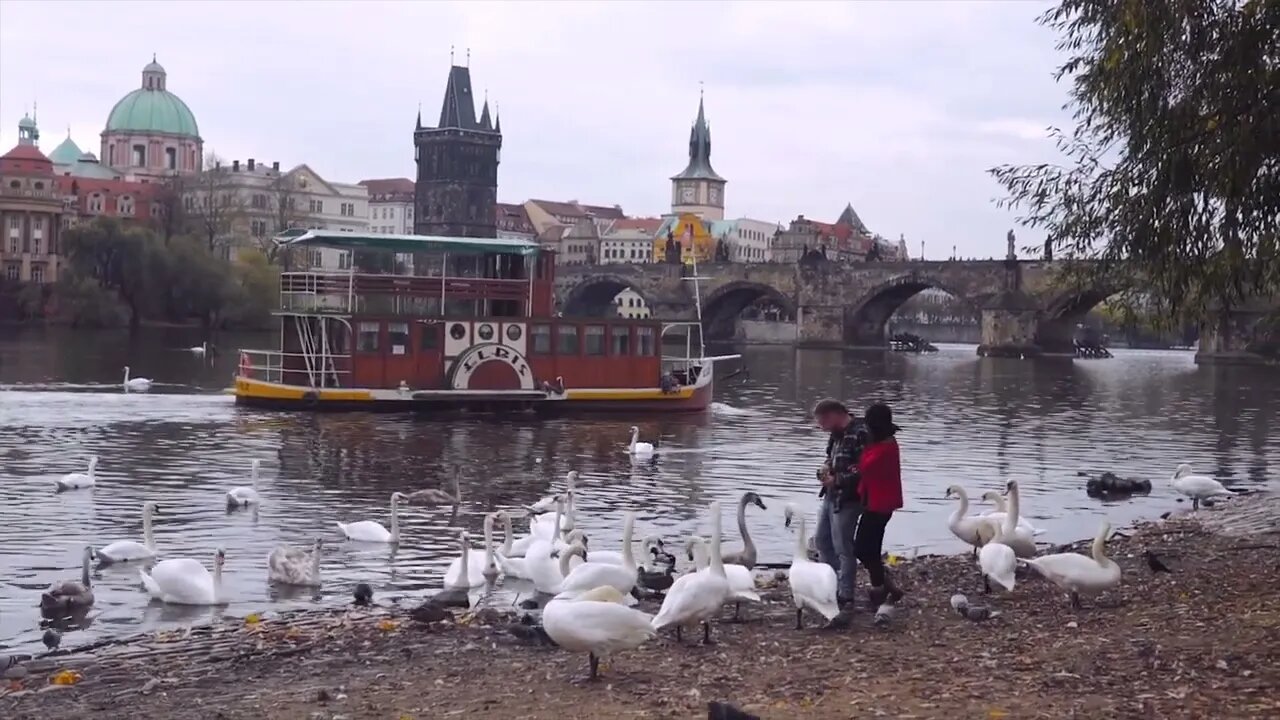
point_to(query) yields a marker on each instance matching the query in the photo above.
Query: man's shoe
(841, 621)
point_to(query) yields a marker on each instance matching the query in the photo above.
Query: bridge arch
(866, 318)
(721, 308)
(594, 296)
(1056, 330)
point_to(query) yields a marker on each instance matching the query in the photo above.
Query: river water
(971, 421)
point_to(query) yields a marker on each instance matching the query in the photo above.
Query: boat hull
(254, 393)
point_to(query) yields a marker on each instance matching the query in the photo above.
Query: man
(841, 507)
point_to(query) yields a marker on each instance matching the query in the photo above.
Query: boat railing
(345, 292)
(272, 366)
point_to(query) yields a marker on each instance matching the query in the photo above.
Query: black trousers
(868, 544)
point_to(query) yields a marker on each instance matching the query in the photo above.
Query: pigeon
(884, 614)
(978, 613)
(725, 711)
(1155, 563)
(52, 638)
(959, 603)
(363, 594)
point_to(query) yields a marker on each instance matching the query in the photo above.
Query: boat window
(457, 308)
(398, 338)
(367, 338)
(621, 340)
(430, 338)
(567, 340)
(594, 339)
(541, 337)
(644, 341)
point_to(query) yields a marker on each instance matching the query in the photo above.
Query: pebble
(1073, 624)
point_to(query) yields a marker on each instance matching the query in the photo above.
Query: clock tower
(698, 189)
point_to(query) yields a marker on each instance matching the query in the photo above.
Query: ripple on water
(967, 421)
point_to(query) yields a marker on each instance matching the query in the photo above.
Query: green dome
(67, 153)
(153, 111)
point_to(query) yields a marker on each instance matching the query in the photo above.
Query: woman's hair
(879, 420)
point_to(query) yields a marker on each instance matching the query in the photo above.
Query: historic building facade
(697, 189)
(31, 208)
(390, 205)
(457, 188)
(151, 133)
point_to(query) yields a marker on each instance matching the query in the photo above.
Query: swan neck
(488, 541)
(464, 573)
(395, 519)
(555, 529)
(628, 558)
(315, 562)
(963, 508)
(748, 546)
(217, 579)
(566, 556)
(507, 539)
(717, 562)
(253, 477)
(1100, 546)
(147, 538)
(1011, 517)
(84, 569)
(802, 551)
(457, 490)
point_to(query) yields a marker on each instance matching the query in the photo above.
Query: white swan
(998, 562)
(183, 581)
(540, 562)
(135, 384)
(747, 555)
(593, 574)
(813, 584)
(548, 503)
(975, 530)
(371, 531)
(295, 566)
(510, 566)
(472, 567)
(997, 515)
(1011, 534)
(128, 550)
(1197, 487)
(71, 594)
(1078, 574)
(243, 496)
(200, 349)
(597, 623)
(639, 449)
(696, 597)
(77, 481)
(742, 584)
(436, 496)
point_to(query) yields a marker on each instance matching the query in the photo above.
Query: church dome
(152, 108)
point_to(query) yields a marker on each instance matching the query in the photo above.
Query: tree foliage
(1174, 163)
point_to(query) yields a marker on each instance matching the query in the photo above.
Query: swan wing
(183, 581)
(742, 584)
(124, 550)
(610, 557)
(543, 505)
(367, 530)
(513, 567)
(242, 495)
(595, 626)
(591, 575)
(75, 481)
(1073, 571)
(691, 598)
(289, 565)
(813, 585)
(1202, 486)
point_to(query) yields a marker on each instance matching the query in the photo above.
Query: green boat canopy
(406, 243)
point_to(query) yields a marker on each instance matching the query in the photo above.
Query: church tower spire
(698, 189)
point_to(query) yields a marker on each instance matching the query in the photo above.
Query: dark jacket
(844, 450)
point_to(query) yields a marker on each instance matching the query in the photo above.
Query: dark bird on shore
(429, 612)
(658, 580)
(1156, 565)
(725, 711)
(52, 638)
(363, 594)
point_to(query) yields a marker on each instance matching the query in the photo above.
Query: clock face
(686, 193)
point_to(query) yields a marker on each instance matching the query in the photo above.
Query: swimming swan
(1078, 574)
(548, 503)
(597, 623)
(1197, 487)
(696, 597)
(511, 566)
(245, 496)
(742, 584)
(128, 550)
(371, 531)
(183, 581)
(747, 555)
(593, 574)
(136, 384)
(200, 349)
(471, 567)
(77, 481)
(540, 561)
(639, 449)
(295, 566)
(435, 496)
(975, 530)
(813, 584)
(70, 594)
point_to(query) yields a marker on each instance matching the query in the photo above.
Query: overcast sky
(897, 107)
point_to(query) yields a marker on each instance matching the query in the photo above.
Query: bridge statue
(1013, 254)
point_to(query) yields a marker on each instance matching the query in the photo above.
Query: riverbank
(1198, 642)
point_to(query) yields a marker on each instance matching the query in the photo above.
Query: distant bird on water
(363, 594)
(1156, 565)
(725, 711)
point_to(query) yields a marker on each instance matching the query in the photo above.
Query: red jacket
(881, 484)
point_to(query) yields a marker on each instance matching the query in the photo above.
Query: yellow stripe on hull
(624, 394)
(260, 390)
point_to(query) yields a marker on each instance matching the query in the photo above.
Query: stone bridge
(1025, 306)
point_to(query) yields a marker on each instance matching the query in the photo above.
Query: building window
(259, 201)
(139, 155)
(317, 206)
(13, 244)
(621, 340)
(13, 222)
(124, 205)
(540, 335)
(95, 203)
(344, 261)
(37, 274)
(594, 339)
(367, 337)
(644, 341)
(35, 246)
(111, 154)
(37, 224)
(567, 340)
(171, 158)
(258, 228)
(430, 338)
(11, 270)
(398, 338)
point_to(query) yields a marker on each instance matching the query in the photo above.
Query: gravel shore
(1200, 642)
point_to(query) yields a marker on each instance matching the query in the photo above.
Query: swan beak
(760, 504)
(555, 553)
(788, 522)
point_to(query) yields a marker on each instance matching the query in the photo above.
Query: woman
(880, 488)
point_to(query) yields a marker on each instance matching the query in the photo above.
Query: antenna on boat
(697, 301)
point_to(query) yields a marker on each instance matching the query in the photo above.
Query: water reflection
(971, 421)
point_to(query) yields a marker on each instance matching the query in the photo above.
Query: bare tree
(173, 219)
(216, 203)
(283, 201)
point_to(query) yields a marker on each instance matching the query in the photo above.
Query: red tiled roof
(512, 217)
(605, 213)
(26, 160)
(389, 188)
(649, 225)
(574, 209)
(110, 189)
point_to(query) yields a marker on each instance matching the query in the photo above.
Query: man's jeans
(834, 539)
